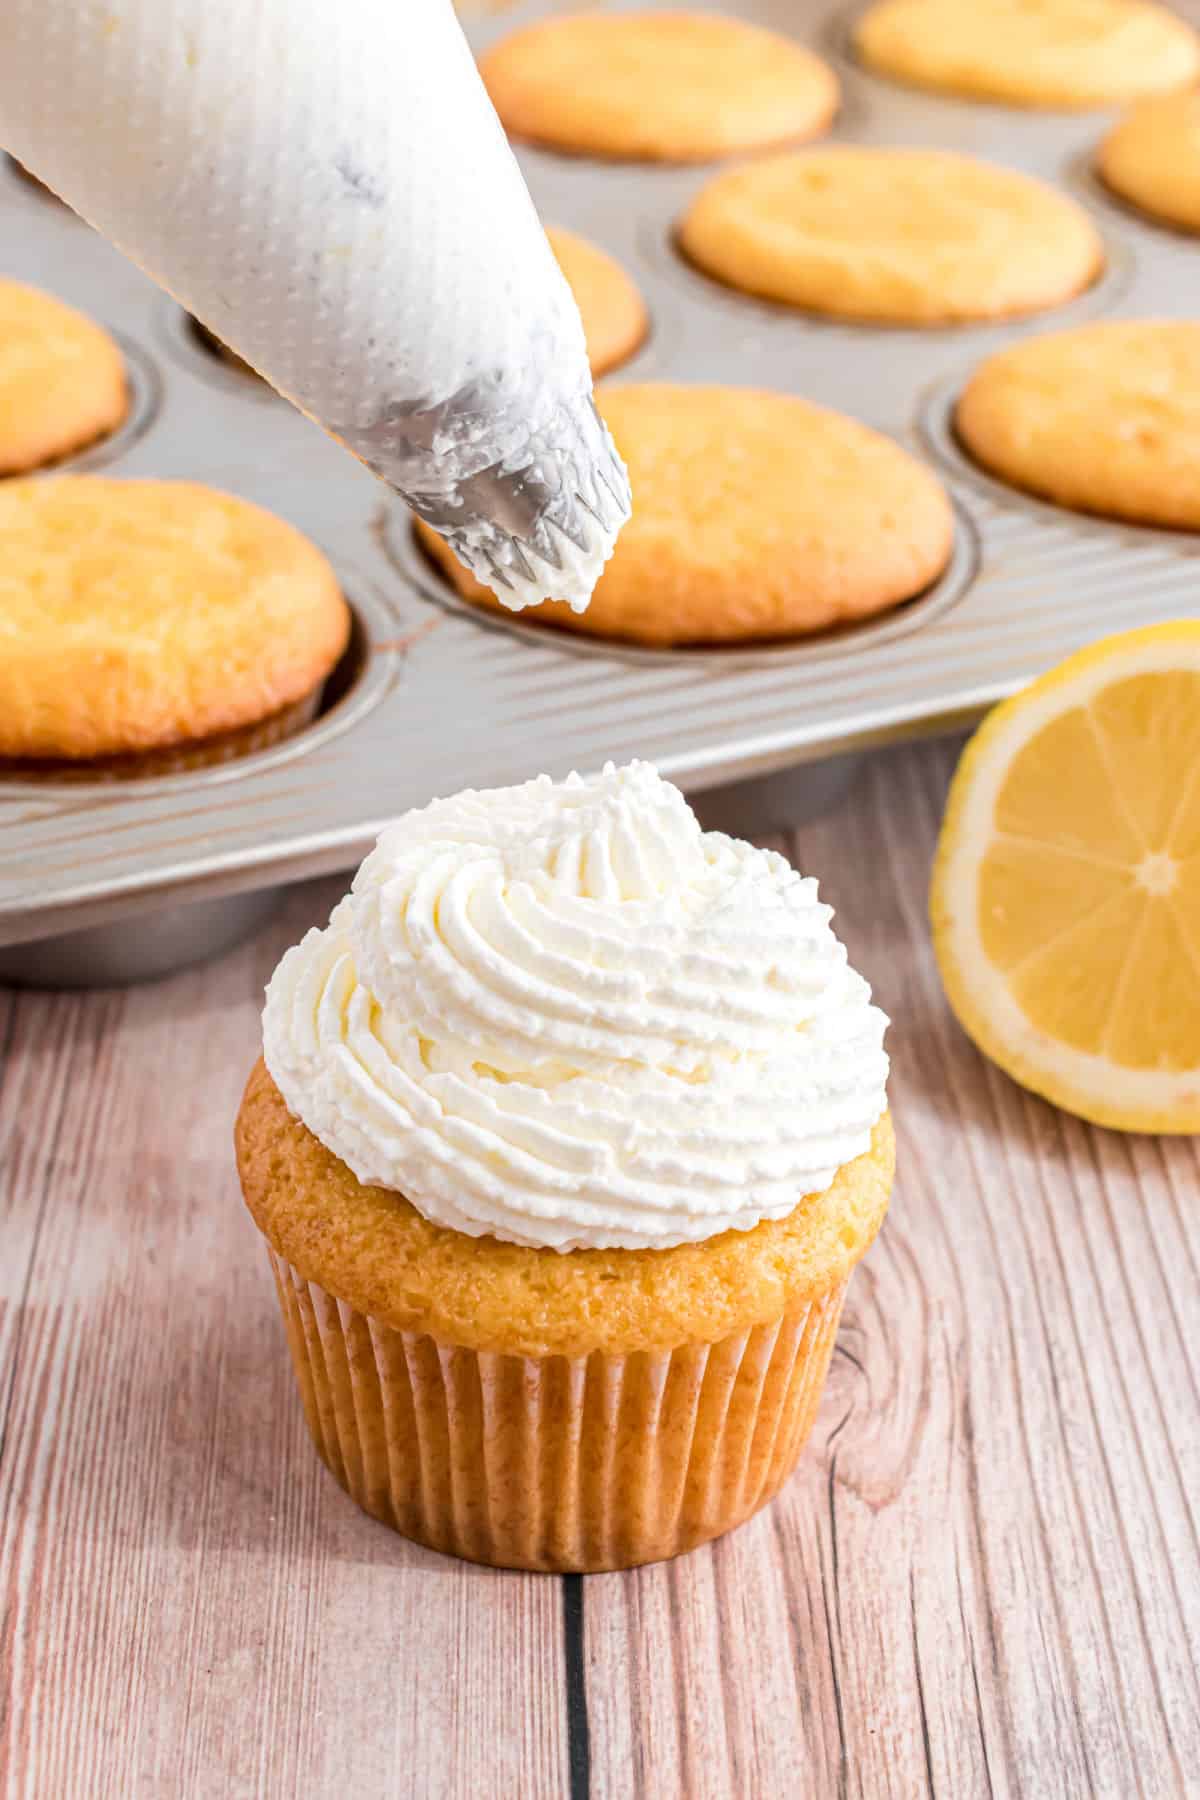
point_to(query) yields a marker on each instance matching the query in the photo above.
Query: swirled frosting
(564, 1015)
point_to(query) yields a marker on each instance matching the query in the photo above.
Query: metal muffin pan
(439, 697)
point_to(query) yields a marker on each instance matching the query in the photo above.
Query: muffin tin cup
(119, 952)
(445, 696)
(557, 1463)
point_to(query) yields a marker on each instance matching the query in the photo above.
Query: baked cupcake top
(656, 85)
(612, 310)
(1151, 157)
(62, 379)
(1038, 53)
(758, 516)
(900, 235)
(137, 615)
(564, 1016)
(1103, 417)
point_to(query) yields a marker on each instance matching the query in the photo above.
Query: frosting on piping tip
(563, 1015)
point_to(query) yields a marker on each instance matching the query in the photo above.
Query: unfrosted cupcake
(62, 379)
(760, 518)
(155, 626)
(569, 1132)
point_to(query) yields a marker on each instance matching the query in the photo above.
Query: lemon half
(1066, 891)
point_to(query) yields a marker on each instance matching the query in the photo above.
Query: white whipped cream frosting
(563, 1015)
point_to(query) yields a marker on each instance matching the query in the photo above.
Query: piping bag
(325, 185)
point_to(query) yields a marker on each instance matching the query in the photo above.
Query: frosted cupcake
(570, 1130)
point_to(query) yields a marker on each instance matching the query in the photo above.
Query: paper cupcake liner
(557, 1463)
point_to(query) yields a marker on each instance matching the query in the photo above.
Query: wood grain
(985, 1579)
(188, 1605)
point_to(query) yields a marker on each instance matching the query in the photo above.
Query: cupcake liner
(556, 1463)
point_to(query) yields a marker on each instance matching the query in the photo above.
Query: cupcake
(150, 626)
(656, 86)
(569, 1131)
(610, 306)
(62, 380)
(896, 236)
(759, 518)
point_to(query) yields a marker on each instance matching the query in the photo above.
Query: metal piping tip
(541, 527)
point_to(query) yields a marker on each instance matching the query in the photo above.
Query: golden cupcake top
(1070, 54)
(657, 86)
(62, 379)
(139, 614)
(898, 236)
(1151, 158)
(757, 516)
(613, 311)
(1104, 417)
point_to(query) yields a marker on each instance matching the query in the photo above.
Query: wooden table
(984, 1580)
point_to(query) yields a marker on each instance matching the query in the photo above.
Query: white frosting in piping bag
(563, 1015)
(325, 184)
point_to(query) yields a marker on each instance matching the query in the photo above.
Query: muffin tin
(434, 696)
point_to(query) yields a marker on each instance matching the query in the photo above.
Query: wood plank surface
(985, 1579)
